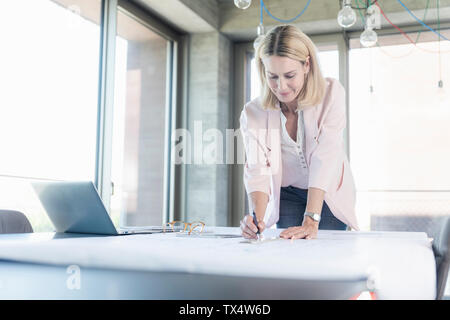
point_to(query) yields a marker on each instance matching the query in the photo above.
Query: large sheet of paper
(399, 264)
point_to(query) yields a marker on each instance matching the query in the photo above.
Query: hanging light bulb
(260, 32)
(346, 16)
(369, 37)
(242, 4)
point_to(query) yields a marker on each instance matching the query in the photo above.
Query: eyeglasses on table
(195, 227)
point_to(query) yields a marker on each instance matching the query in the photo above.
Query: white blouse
(293, 155)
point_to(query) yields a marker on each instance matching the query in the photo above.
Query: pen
(256, 223)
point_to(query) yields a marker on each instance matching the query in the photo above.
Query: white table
(336, 265)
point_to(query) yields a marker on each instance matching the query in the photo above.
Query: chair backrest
(14, 222)
(441, 252)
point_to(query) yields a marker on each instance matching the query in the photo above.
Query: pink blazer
(328, 164)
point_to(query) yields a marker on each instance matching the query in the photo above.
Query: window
(48, 106)
(140, 115)
(329, 62)
(399, 141)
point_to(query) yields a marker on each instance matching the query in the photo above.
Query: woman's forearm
(315, 200)
(259, 200)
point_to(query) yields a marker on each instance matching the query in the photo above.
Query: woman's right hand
(248, 228)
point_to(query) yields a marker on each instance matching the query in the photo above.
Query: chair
(14, 222)
(440, 248)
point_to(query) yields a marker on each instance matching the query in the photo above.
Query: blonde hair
(289, 41)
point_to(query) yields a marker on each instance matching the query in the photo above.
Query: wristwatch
(314, 216)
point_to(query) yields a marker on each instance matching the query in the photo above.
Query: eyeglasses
(195, 227)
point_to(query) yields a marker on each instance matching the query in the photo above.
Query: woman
(296, 172)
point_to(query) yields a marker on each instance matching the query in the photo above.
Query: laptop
(76, 207)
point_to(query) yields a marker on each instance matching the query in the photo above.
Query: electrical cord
(283, 20)
(404, 34)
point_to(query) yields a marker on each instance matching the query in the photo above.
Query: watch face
(314, 216)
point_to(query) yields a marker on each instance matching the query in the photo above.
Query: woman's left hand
(308, 230)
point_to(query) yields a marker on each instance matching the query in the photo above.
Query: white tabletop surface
(400, 265)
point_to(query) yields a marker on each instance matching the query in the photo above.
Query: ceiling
(197, 16)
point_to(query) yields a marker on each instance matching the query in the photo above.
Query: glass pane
(49, 64)
(329, 63)
(139, 124)
(52, 83)
(399, 132)
(255, 85)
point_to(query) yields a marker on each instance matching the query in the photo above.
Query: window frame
(174, 105)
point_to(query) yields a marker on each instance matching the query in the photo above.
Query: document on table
(396, 257)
